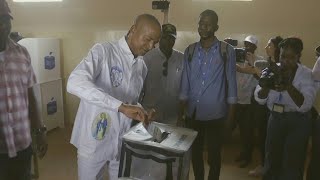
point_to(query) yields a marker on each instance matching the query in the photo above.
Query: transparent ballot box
(157, 151)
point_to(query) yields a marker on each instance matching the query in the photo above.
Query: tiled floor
(60, 163)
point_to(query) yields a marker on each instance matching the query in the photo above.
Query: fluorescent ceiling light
(37, 0)
(218, 0)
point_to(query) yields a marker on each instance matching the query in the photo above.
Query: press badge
(279, 108)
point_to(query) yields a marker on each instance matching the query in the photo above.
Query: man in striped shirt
(18, 113)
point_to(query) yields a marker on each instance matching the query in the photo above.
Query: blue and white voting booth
(45, 60)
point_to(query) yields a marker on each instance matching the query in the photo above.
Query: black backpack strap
(224, 55)
(190, 53)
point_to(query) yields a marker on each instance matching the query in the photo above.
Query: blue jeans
(286, 145)
(17, 168)
(313, 169)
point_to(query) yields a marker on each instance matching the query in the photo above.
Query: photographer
(313, 171)
(289, 97)
(246, 82)
(261, 112)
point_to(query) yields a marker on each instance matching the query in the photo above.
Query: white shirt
(316, 73)
(106, 78)
(316, 70)
(247, 82)
(161, 92)
(303, 82)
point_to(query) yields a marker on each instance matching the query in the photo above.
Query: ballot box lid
(158, 136)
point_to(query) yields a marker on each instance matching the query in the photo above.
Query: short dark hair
(276, 41)
(294, 43)
(210, 13)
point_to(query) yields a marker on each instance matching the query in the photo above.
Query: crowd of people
(206, 88)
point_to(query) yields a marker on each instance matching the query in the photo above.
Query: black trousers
(313, 169)
(286, 145)
(17, 168)
(212, 132)
(260, 117)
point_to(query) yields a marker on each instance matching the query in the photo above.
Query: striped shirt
(16, 76)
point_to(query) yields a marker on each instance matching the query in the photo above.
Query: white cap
(252, 39)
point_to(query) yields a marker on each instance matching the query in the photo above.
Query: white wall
(80, 23)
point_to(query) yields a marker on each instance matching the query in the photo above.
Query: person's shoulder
(304, 68)
(303, 71)
(178, 53)
(150, 54)
(18, 48)
(192, 45)
(102, 47)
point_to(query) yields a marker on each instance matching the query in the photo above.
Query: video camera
(240, 52)
(271, 76)
(240, 55)
(162, 5)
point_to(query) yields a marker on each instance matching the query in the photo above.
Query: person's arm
(231, 77)
(38, 129)
(245, 69)
(184, 88)
(81, 83)
(316, 70)
(261, 95)
(232, 86)
(304, 96)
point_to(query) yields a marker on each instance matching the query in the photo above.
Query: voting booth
(157, 151)
(45, 60)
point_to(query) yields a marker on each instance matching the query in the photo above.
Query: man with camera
(246, 82)
(289, 94)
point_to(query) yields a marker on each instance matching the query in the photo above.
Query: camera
(271, 76)
(232, 42)
(162, 5)
(240, 55)
(240, 52)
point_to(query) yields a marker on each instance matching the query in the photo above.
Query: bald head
(144, 34)
(146, 18)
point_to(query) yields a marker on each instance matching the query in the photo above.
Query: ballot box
(157, 151)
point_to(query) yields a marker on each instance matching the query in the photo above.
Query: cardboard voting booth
(50, 103)
(45, 57)
(157, 151)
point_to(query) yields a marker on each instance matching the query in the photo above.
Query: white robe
(106, 78)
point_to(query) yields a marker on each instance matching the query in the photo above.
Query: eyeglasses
(165, 68)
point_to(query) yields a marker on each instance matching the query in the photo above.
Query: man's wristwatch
(40, 130)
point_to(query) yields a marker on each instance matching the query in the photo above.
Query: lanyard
(205, 74)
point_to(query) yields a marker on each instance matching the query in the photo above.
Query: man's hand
(42, 145)
(250, 57)
(151, 114)
(134, 112)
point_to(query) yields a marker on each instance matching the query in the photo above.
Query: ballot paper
(162, 136)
